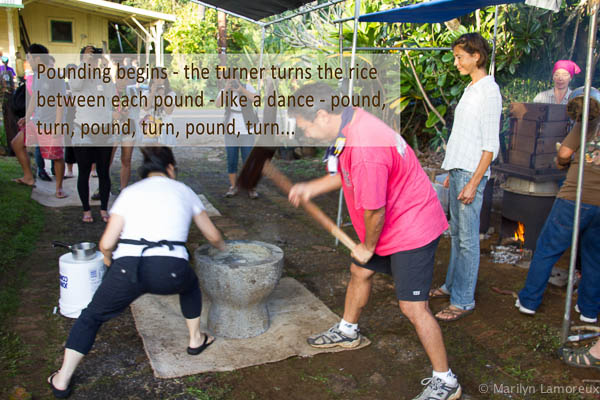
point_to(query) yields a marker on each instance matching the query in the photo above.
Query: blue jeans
(461, 277)
(40, 161)
(233, 147)
(554, 239)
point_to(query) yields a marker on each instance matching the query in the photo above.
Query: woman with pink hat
(562, 74)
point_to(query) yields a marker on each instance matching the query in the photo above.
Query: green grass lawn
(21, 221)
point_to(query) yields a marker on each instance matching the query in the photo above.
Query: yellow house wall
(4, 38)
(4, 27)
(87, 29)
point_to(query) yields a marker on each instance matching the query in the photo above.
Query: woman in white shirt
(473, 145)
(149, 223)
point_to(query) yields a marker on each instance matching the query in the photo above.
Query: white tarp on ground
(295, 313)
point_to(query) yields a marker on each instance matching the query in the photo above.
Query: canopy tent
(432, 11)
(256, 10)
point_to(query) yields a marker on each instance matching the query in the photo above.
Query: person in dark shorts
(397, 217)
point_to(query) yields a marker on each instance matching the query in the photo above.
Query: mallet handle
(283, 183)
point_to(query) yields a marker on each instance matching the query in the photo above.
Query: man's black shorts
(412, 270)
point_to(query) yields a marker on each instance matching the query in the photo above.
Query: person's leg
(126, 155)
(190, 300)
(39, 160)
(357, 293)
(454, 209)
(428, 331)
(232, 153)
(18, 146)
(84, 159)
(103, 157)
(346, 333)
(114, 295)
(69, 161)
(413, 273)
(554, 239)
(170, 275)
(246, 149)
(462, 292)
(59, 169)
(588, 298)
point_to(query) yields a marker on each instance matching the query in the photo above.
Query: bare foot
(26, 182)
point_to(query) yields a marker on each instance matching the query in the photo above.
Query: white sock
(447, 377)
(347, 328)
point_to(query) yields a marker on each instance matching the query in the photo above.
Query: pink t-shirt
(379, 169)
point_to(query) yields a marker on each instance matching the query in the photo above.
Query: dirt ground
(494, 346)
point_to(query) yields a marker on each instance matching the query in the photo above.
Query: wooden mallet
(258, 163)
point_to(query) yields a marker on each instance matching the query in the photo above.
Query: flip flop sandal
(437, 293)
(194, 351)
(20, 181)
(104, 217)
(61, 195)
(580, 357)
(59, 394)
(88, 219)
(455, 315)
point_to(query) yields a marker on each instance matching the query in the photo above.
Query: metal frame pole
(493, 62)
(350, 87)
(341, 196)
(584, 127)
(262, 50)
(329, 3)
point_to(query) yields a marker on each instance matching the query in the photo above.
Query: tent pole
(262, 50)
(493, 62)
(341, 196)
(584, 127)
(350, 87)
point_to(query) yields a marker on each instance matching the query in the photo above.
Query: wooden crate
(539, 112)
(535, 145)
(534, 161)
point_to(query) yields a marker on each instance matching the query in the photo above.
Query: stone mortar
(238, 283)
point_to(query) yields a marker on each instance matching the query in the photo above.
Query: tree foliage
(529, 41)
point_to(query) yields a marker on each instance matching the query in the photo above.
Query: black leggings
(85, 157)
(157, 275)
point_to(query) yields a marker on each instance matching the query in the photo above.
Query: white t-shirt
(156, 208)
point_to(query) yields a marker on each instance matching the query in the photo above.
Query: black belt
(149, 245)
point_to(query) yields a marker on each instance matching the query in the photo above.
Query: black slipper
(59, 394)
(194, 351)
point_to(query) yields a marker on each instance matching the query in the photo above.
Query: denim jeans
(463, 268)
(554, 239)
(39, 161)
(157, 275)
(233, 147)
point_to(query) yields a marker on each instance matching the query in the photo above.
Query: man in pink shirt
(397, 217)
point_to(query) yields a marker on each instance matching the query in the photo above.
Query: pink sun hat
(568, 66)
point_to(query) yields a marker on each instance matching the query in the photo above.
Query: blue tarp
(432, 11)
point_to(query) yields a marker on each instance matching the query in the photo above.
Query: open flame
(520, 233)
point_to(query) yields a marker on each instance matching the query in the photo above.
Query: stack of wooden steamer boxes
(535, 128)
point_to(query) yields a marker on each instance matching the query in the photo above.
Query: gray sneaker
(332, 338)
(437, 389)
